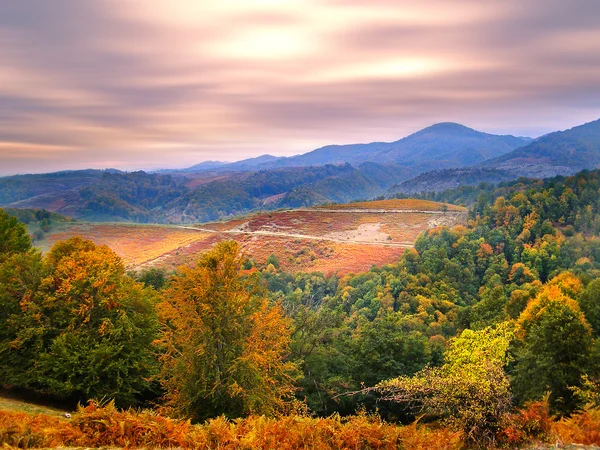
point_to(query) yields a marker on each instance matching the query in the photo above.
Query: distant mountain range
(442, 145)
(442, 156)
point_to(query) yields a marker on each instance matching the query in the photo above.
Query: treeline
(299, 186)
(39, 221)
(142, 197)
(471, 323)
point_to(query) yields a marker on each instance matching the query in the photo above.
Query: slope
(559, 153)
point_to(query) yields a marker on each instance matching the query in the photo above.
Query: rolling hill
(333, 239)
(457, 155)
(559, 153)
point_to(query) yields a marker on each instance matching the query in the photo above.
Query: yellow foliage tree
(224, 347)
(470, 391)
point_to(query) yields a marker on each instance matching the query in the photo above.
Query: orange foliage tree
(224, 347)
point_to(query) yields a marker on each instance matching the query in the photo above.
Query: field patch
(347, 238)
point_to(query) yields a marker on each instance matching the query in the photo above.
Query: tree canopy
(224, 345)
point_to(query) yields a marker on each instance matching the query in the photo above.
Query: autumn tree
(554, 345)
(224, 346)
(86, 330)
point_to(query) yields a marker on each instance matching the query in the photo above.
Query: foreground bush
(95, 426)
(470, 392)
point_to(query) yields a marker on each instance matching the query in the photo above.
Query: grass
(169, 246)
(9, 403)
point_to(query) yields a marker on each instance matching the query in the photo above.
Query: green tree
(589, 302)
(153, 276)
(553, 351)
(13, 236)
(85, 330)
(272, 259)
(20, 277)
(224, 346)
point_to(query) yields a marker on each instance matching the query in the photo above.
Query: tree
(554, 345)
(589, 302)
(224, 345)
(20, 276)
(470, 391)
(13, 236)
(86, 329)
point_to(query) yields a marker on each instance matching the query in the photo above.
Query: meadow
(336, 239)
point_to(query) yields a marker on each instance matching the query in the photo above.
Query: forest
(484, 335)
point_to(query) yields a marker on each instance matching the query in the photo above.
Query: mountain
(93, 194)
(448, 145)
(282, 188)
(237, 188)
(444, 145)
(201, 167)
(252, 163)
(159, 197)
(559, 153)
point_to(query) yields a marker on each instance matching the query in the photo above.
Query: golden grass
(136, 244)
(402, 204)
(169, 246)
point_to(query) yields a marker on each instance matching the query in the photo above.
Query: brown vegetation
(96, 426)
(302, 240)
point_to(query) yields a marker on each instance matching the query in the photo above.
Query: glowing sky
(169, 83)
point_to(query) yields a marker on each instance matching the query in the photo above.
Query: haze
(156, 84)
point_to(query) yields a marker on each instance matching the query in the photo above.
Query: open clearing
(332, 239)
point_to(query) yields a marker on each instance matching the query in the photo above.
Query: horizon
(103, 84)
(176, 168)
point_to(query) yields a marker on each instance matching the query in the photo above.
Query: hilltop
(327, 239)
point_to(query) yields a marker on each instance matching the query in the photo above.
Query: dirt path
(303, 236)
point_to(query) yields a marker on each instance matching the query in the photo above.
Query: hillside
(559, 153)
(440, 180)
(328, 239)
(377, 169)
(503, 309)
(448, 145)
(186, 198)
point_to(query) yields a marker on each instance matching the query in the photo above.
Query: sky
(170, 83)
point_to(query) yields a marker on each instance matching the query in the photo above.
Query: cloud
(157, 83)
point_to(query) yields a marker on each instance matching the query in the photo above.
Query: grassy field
(11, 403)
(338, 239)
